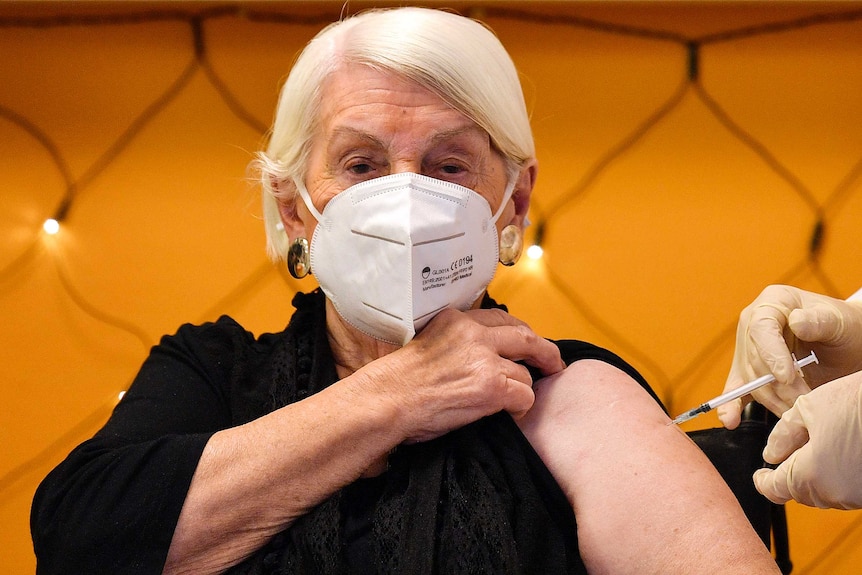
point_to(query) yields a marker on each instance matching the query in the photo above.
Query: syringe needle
(691, 413)
(740, 391)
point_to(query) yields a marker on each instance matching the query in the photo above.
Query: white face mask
(392, 252)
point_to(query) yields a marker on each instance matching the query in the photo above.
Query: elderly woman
(403, 422)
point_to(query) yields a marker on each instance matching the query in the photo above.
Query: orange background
(669, 198)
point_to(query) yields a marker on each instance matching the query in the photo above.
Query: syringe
(740, 391)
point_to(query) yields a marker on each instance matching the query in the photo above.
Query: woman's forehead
(363, 100)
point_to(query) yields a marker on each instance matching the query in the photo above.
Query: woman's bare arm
(646, 499)
(254, 480)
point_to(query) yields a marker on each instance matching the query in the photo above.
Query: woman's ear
(286, 197)
(522, 192)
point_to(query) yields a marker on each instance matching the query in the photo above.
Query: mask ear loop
(300, 188)
(507, 195)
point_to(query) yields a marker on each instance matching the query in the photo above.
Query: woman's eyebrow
(471, 129)
(346, 132)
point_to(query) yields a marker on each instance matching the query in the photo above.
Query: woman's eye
(451, 169)
(360, 168)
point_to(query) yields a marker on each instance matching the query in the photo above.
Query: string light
(535, 251)
(51, 226)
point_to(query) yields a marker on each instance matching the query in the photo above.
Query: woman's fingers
(515, 340)
(464, 366)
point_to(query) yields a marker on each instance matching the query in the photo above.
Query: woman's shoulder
(221, 352)
(573, 350)
(217, 337)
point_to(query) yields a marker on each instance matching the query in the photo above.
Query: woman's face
(374, 124)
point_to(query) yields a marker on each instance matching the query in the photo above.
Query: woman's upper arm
(645, 497)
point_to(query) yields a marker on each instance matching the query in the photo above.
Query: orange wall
(669, 201)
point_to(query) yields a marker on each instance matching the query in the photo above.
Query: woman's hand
(460, 368)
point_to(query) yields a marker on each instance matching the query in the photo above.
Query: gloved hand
(782, 320)
(819, 441)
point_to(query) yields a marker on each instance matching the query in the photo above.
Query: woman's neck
(351, 349)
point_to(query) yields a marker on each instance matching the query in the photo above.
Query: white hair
(457, 58)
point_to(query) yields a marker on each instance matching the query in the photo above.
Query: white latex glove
(784, 319)
(819, 441)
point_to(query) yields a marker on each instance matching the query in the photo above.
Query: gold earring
(298, 257)
(511, 244)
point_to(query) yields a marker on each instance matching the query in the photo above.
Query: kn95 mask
(392, 252)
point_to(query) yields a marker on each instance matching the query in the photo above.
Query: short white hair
(457, 58)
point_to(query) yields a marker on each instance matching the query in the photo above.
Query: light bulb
(51, 226)
(534, 252)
